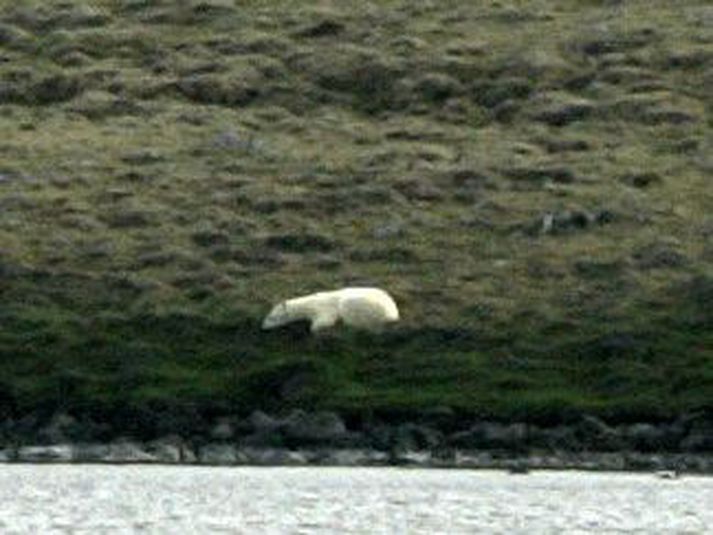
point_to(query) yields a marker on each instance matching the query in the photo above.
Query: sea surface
(186, 499)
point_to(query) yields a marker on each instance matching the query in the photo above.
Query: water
(164, 499)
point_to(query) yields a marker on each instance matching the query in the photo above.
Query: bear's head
(278, 316)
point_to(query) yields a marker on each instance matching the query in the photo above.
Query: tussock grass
(530, 180)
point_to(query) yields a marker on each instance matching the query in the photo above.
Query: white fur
(363, 308)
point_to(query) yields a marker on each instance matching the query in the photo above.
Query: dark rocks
(49, 89)
(265, 438)
(323, 438)
(465, 177)
(669, 115)
(647, 437)
(116, 194)
(436, 87)
(384, 254)
(300, 243)
(608, 42)
(221, 454)
(653, 108)
(76, 17)
(370, 80)
(96, 105)
(135, 177)
(699, 437)
(633, 76)
(641, 180)
(494, 436)
(518, 466)
(379, 436)
(358, 71)
(119, 451)
(594, 269)
(440, 417)
(209, 238)
(566, 221)
(223, 430)
(468, 184)
(319, 427)
(354, 457)
(221, 89)
(231, 140)
(324, 28)
(588, 434)
(557, 438)
(18, 202)
(143, 157)
(275, 457)
(410, 134)
(259, 258)
(171, 450)
(155, 259)
(12, 36)
(506, 111)
(494, 93)
(260, 421)
(39, 454)
(415, 437)
(596, 435)
(410, 458)
(393, 229)
(560, 109)
(128, 218)
(689, 58)
(418, 189)
(537, 175)
(327, 262)
(566, 145)
(62, 428)
(658, 256)
(298, 428)
(565, 113)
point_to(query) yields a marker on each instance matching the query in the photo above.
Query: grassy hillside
(530, 179)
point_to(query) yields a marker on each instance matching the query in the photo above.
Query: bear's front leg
(323, 321)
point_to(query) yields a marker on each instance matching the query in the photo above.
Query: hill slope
(531, 180)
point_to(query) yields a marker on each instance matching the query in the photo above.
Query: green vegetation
(530, 179)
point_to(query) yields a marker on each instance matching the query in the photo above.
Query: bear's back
(366, 307)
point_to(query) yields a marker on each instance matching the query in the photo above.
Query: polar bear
(363, 308)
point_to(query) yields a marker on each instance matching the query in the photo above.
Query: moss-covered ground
(530, 179)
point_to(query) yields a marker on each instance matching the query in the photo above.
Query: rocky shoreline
(302, 438)
(227, 455)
